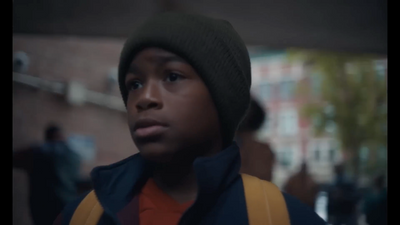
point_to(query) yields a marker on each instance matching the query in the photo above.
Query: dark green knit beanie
(212, 47)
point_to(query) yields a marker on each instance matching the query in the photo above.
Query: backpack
(265, 205)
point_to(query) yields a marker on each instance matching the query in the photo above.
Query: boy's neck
(179, 182)
(178, 179)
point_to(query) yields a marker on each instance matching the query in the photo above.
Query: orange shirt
(156, 207)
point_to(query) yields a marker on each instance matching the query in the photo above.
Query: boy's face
(171, 115)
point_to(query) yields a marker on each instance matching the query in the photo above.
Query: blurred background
(319, 73)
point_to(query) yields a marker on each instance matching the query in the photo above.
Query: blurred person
(375, 203)
(343, 199)
(53, 170)
(185, 80)
(302, 186)
(257, 158)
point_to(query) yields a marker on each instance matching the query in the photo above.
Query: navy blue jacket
(220, 198)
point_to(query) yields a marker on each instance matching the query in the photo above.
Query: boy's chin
(157, 155)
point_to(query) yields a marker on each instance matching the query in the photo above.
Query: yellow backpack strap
(265, 202)
(88, 211)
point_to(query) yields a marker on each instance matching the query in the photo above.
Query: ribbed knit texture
(212, 47)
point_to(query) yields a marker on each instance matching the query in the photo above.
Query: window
(268, 125)
(317, 154)
(332, 151)
(266, 91)
(286, 157)
(83, 145)
(288, 122)
(329, 112)
(286, 90)
(332, 155)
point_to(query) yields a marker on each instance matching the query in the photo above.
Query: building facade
(275, 81)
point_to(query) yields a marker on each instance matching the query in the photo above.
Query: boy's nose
(150, 97)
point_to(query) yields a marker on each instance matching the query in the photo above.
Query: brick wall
(64, 58)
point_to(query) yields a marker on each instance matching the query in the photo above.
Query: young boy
(185, 80)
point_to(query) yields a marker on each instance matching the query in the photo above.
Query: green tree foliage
(352, 103)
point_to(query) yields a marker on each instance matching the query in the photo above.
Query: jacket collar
(116, 185)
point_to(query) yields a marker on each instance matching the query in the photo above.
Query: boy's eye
(172, 77)
(134, 85)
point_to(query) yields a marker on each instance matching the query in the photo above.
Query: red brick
(63, 59)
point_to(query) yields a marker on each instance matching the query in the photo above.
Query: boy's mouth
(148, 127)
